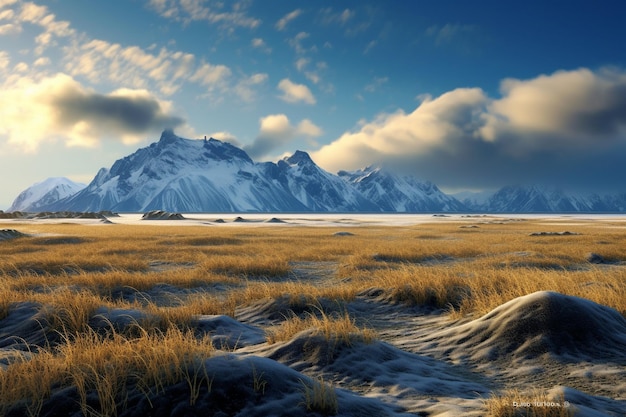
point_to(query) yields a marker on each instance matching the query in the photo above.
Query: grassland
(169, 276)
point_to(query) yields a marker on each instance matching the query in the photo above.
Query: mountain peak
(299, 158)
(168, 136)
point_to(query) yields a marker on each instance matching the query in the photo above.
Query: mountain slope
(44, 193)
(395, 193)
(539, 199)
(183, 175)
(317, 189)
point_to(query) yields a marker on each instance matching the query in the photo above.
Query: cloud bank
(295, 93)
(567, 128)
(34, 111)
(275, 131)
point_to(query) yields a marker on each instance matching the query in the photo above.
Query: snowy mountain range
(44, 193)
(190, 175)
(542, 199)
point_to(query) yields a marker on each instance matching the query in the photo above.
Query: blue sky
(469, 94)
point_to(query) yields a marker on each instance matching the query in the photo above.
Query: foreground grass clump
(341, 329)
(320, 397)
(514, 403)
(107, 366)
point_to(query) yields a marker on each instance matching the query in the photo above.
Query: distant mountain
(540, 199)
(190, 175)
(317, 189)
(395, 193)
(184, 175)
(42, 194)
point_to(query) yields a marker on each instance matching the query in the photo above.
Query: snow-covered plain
(337, 219)
(423, 364)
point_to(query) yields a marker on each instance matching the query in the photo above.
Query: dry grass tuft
(341, 329)
(514, 403)
(107, 366)
(320, 397)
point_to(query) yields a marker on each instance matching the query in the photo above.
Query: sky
(472, 95)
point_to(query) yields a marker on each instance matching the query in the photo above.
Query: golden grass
(108, 366)
(341, 329)
(320, 397)
(73, 270)
(537, 403)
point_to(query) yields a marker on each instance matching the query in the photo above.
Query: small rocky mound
(12, 215)
(7, 234)
(565, 233)
(343, 234)
(545, 322)
(162, 215)
(275, 220)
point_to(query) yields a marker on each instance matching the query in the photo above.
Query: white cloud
(296, 42)
(59, 107)
(132, 66)
(225, 136)
(567, 126)
(187, 11)
(4, 3)
(294, 93)
(9, 29)
(330, 17)
(301, 63)
(276, 130)
(284, 21)
(376, 83)
(245, 88)
(449, 32)
(260, 44)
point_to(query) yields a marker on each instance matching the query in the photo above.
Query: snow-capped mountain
(190, 175)
(396, 193)
(540, 199)
(185, 175)
(44, 193)
(317, 189)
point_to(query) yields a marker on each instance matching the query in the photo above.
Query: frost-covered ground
(338, 219)
(422, 363)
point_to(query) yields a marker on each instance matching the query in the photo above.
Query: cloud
(187, 11)
(275, 131)
(38, 110)
(296, 43)
(259, 43)
(449, 32)
(134, 67)
(330, 17)
(376, 83)
(225, 136)
(245, 88)
(567, 128)
(284, 21)
(294, 93)
(34, 14)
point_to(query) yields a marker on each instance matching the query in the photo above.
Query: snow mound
(343, 234)
(162, 215)
(7, 234)
(565, 233)
(545, 322)
(229, 333)
(388, 368)
(26, 326)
